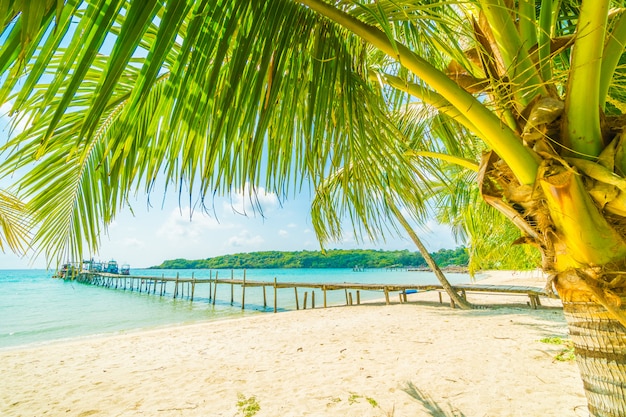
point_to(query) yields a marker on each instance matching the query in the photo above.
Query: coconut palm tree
(213, 95)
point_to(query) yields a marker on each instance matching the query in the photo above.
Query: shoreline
(353, 361)
(526, 278)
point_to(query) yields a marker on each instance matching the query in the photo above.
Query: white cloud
(179, 226)
(131, 242)
(244, 202)
(283, 233)
(244, 239)
(348, 238)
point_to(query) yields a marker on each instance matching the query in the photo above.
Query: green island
(336, 258)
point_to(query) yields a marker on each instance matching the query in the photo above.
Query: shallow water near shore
(34, 308)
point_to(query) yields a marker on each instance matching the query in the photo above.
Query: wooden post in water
(193, 285)
(176, 286)
(264, 298)
(350, 297)
(312, 299)
(306, 294)
(210, 284)
(232, 288)
(358, 297)
(347, 301)
(243, 291)
(162, 285)
(296, 291)
(275, 293)
(324, 289)
(386, 295)
(215, 288)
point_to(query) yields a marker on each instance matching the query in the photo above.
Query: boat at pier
(71, 269)
(112, 267)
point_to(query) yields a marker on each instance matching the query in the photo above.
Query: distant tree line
(338, 258)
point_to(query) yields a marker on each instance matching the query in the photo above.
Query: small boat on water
(125, 270)
(112, 267)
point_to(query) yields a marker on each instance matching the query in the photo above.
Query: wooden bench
(532, 292)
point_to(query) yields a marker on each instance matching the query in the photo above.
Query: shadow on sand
(429, 404)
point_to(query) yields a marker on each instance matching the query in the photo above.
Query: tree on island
(369, 101)
(334, 258)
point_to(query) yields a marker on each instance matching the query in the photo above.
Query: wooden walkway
(154, 285)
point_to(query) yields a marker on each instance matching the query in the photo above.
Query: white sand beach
(341, 361)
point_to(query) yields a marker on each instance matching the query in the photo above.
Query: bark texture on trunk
(599, 341)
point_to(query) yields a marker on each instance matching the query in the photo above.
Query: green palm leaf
(294, 89)
(14, 224)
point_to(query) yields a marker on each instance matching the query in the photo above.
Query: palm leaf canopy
(206, 96)
(210, 96)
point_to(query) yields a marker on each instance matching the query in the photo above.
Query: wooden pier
(185, 288)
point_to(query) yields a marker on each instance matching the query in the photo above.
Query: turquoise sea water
(34, 308)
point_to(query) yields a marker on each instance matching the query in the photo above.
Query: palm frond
(208, 114)
(15, 224)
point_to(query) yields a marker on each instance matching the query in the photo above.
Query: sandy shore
(343, 361)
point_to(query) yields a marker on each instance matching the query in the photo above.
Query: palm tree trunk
(599, 341)
(454, 296)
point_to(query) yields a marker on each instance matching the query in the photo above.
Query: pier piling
(275, 292)
(243, 291)
(215, 288)
(193, 286)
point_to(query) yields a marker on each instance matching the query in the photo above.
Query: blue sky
(152, 235)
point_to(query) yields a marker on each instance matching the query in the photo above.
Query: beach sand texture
(341, 361)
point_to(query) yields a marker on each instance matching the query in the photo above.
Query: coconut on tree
(210, 96)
